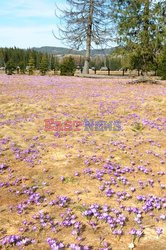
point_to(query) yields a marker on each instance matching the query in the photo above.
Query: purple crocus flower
(159, 231)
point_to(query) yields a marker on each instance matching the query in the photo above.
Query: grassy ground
(110, 168)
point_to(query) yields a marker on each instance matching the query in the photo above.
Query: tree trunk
(88, 38)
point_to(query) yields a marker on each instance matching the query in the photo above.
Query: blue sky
(28, 23)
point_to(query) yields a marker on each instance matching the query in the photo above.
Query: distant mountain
(66, 51)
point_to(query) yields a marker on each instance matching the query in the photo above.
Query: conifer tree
(86, 22)
(162, 64)
(10, 67)
(44, 65)
(140, 26)
(22, 67)
(54, 63)
(67, 66)
(31, 65)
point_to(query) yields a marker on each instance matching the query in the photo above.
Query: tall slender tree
(86, 22)
(31, 65)
(44, 65)
(54, 63)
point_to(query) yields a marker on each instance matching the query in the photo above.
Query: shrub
(67, 67)
(137, 127)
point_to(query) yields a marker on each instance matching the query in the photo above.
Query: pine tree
(44, 65)
(1, 59)
(31, 65)
(10, 67)
(136, 62)
(162, 64)
(140, 27)
(87, 22)
(54, 63)
(68, 66)
(22, 67)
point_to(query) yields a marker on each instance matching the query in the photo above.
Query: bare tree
(85, 22)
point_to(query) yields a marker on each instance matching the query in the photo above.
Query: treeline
(20, 61)
(26, 61)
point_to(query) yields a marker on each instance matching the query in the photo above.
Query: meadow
(82, 189)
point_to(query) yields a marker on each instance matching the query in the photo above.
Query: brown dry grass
(20, 98)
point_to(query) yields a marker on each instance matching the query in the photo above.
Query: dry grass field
(82, 189)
